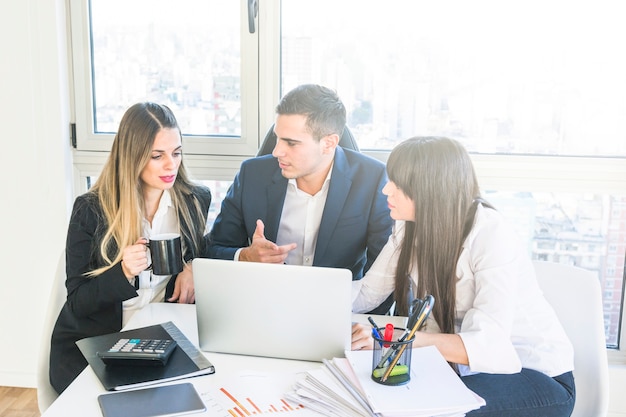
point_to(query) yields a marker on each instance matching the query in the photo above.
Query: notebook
(273, 310)
(186, 361)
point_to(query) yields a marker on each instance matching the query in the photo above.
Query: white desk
(80, 398)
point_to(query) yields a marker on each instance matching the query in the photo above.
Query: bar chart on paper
(248, 406)
(253, 394)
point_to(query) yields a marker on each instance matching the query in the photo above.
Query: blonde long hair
(437, 174)
(119, 187)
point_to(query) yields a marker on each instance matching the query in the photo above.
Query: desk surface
(80, 398)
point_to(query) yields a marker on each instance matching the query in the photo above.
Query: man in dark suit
(311, 202)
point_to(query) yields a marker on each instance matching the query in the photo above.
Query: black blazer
(94, 305)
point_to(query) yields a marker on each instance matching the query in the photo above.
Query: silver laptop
(273, 310)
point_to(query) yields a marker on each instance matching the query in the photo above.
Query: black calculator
(147, 352)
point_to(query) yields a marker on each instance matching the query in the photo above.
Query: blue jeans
(525, 394)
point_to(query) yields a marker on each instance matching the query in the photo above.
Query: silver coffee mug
(166, 254)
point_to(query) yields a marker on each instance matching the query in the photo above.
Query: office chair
(346, 141)
(575, 295)
(58, 293)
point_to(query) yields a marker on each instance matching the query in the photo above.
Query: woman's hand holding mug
(135, 258)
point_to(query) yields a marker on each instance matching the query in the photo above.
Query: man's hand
(263, 250)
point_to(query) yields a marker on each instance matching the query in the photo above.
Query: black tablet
(169, 400)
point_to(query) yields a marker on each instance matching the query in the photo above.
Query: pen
(379, 337)
(425, 310)
(375, 329)
(418, 306)
(388, 334)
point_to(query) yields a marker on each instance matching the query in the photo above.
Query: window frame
(87, 140)
(221, 160)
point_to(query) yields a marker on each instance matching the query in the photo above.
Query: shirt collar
(164, 203)
(292, 181)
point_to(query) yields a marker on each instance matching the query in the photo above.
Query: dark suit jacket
(94, 305)
(355, 223)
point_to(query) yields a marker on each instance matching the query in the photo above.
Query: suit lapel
(276, 192)
(340, 183)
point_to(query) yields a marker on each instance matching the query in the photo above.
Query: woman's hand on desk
(362, 336)
(450, 345)
(183, 287)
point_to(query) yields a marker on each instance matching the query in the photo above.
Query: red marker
(388, 333)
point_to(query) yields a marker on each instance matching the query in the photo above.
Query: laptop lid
(273, 310)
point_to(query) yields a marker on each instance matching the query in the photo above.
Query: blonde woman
(490, 320)
(143, 190)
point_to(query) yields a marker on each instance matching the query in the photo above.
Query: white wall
(36, 171)
(617, 399)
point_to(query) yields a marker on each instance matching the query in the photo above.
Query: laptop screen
(273, 310)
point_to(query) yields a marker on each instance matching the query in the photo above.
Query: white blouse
(151, 286)
(502, 317)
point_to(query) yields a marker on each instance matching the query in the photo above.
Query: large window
(504, 78)
(192, 56)
(535, 90)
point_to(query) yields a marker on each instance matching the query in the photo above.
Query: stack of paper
(343, 387)
(324, 393)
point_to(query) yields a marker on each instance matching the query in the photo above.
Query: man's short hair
(324, 111)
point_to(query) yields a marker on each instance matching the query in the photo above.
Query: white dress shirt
(502, 317)
(152, 287)
(300, 222)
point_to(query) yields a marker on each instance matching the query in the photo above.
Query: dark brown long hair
(437, 174)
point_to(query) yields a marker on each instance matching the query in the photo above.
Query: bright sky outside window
(185, 54)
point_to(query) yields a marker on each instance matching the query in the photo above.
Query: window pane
(501, 77)
(218, 192)
(185, 54)
(583, 230)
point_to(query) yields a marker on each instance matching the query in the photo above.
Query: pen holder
(387, 352)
